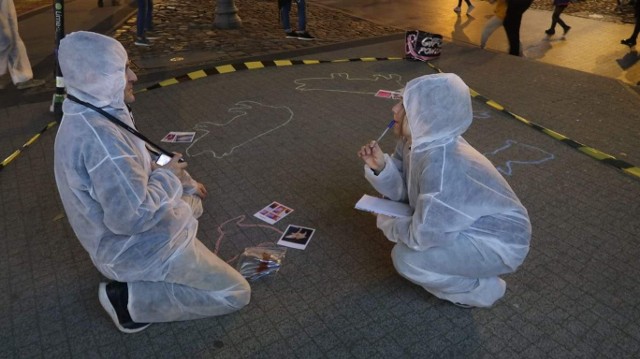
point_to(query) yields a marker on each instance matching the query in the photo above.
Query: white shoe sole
(108, 307)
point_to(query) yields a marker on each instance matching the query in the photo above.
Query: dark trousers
(555, 17)
(636, 29)
(515, 10)
(144, 19)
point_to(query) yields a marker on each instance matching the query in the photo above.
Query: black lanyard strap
(115, 120)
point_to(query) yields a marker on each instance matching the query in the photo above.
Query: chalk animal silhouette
(343, 82)
(481, 115)
(250, 120)
(514, 153)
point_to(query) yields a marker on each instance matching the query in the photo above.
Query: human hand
(372, 155)
(201, 190)
(175, 166)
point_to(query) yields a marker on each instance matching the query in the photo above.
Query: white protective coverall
(13, 53)
(468, 227)
(135, 222)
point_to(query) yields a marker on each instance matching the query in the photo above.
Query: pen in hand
(386, 130)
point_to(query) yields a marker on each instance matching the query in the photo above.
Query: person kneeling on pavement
(468, 226)
(137, 220)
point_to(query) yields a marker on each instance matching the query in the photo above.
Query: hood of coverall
(94, 68)
(438, 108)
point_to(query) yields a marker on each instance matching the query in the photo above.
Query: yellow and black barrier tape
(33, 139)
(255, 65)
(624, 166)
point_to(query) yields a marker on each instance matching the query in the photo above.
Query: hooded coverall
(468, 226)
(138, 224)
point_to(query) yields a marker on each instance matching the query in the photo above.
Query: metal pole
(58, 97)
(226, 15)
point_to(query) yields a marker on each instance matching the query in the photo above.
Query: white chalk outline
(239, 106)
(239, 221)
(481, 114)
(508, 163)
(346, 76)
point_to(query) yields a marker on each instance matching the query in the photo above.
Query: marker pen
(385, 130)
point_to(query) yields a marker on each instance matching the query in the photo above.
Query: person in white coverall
(13, 53)
(468, 227)
(136, 219)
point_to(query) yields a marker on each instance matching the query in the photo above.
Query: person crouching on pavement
(136, 219)
(468, 226)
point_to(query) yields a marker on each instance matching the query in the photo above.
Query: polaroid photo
(383, 94)
(184, 137)
(297, 237)
(169, 137)
(273, 212)
(393, 95)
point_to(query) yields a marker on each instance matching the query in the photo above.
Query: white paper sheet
(384, 206)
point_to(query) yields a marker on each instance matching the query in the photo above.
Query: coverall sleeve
(132, 199)
(437, 216)
(189, 184)
(390, 181)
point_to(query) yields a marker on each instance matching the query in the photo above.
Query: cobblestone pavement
(608, 9)
(186, 27)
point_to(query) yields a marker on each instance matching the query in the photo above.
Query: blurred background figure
(458, 8)
(512, 22)
(144, 23)
(13, 53)
(284, 8)
(494, 22)
(559, 6)
(631, 41)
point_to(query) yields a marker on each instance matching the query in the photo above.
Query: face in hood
(438, 108)
(94, 68)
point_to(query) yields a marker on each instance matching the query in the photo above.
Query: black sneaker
(114, 297)
(550, 32)
(628, 42)
(290, 35)
(566, 30)
(142, 41)
(303, 35)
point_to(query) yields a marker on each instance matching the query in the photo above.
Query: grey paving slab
(291, 134)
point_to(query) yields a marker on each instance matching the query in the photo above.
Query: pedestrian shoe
(550, 32)
(290, 35)
(142, 41)
(303, 35)
(457, 9)
(470, 9)
(114, 297)
(29, 84)
(566, 30)
(628, 42)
